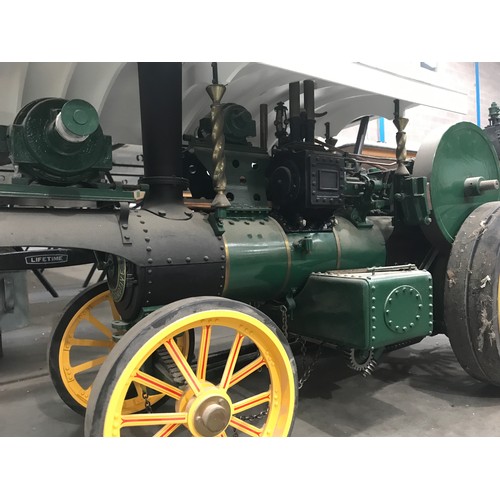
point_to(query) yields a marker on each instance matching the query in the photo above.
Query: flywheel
(463, 172)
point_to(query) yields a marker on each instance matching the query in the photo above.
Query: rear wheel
(244, 381)
(472, 294)
(81, 341)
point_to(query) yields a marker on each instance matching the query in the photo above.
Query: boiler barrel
(265, 263)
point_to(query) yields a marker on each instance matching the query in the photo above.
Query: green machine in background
(305, 242)
(60, 153)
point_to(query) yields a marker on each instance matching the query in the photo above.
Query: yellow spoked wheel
(79, 344)
(244, 381)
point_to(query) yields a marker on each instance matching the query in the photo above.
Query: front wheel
(244, 381)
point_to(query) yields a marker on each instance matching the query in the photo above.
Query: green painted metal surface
(79, 117)
(68, 193)
(264, 263)
(463, 151)
(363, 247)
(245, 175)
(257, 259)
(42, 153)
(365, 310)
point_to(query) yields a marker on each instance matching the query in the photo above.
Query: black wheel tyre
(81, 341)
(71, 395)
(472, 296)
(201, 395)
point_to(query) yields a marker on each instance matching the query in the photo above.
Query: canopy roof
(345, 91)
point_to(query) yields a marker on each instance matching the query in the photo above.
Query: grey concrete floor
(417, 391)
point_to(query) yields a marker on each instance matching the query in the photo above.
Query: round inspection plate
(447, 159)
(403, 309)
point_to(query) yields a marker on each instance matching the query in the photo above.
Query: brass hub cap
(209, 412)
(212, 416)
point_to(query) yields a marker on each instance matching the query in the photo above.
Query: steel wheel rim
(192, 401)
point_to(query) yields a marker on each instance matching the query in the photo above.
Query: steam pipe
(360, 139)
(294, 97)
(263, 126)
(309, 108)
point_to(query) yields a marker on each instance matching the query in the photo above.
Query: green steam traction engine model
(190, 333)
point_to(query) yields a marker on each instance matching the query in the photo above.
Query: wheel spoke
(156, 384)
(100, 326)
(258, 399)
(247, 370)
(89, 364)
(167, 430)
(114, 311)
(201, 369)
(245, 427)
(225, 394)
(231, 360)
(182, 364)
(146, 419)
(89, 343)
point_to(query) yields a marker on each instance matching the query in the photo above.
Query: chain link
(147, 403)
(307, 370)
(284, 320)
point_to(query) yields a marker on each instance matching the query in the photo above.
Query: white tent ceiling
(345, 91)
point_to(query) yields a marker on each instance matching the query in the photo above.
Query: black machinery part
(472, 294)
(164, 255)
